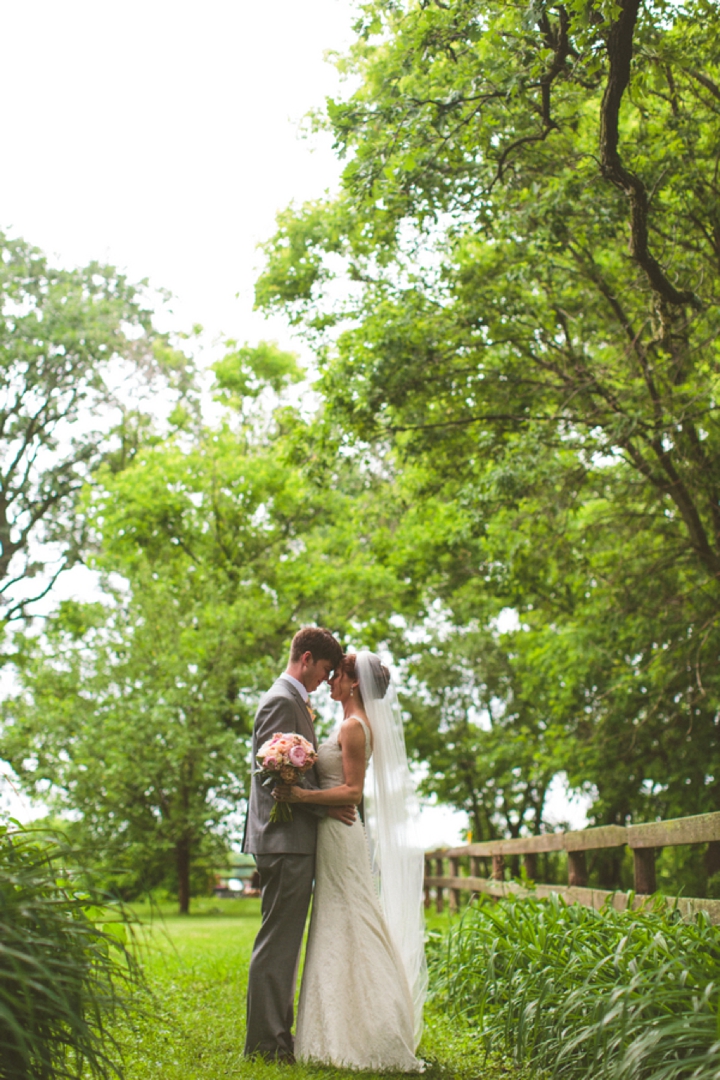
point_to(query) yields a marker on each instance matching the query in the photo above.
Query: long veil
(392, 825)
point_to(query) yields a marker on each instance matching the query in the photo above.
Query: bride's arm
(352, 744)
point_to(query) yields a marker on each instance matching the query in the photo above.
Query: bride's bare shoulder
(353, 727)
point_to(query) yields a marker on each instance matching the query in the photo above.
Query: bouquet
(284, 757)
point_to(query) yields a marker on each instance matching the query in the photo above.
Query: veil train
(392, 824)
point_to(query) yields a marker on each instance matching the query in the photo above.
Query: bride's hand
(286, 793)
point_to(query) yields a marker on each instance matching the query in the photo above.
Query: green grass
(631, 995)
(193, 1025)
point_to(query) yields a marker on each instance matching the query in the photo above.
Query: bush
(63, 972)
(629, 995)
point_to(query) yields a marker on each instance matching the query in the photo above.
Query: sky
(163, 137)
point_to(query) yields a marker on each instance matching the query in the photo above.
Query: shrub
(63, 972)
(629, 995)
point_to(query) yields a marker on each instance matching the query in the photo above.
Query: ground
(193, 1025)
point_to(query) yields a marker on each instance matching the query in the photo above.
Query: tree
(485, 736)
(68, 341)
(134, 713)
(124, 719)
(529, 218)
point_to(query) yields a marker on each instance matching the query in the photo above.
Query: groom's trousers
(286, 882)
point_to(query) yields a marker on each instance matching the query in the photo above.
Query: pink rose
(270, 763)
(298, 756)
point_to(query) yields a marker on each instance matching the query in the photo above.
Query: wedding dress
(356, 1008)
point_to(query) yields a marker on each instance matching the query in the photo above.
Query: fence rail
(643, 840)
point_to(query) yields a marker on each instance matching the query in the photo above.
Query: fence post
(474, 872)
(498, 867)
(428, 873)
(454, 893)
(712, 857)
(577, 869)
(644, 859)
(530, 864)
(439, 871)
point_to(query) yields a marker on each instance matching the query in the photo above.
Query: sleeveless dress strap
(366, 729)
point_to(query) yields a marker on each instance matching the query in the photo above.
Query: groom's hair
(319, 642)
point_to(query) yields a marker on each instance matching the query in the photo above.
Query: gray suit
(285, 856)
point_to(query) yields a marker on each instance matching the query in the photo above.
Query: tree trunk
(182, 855)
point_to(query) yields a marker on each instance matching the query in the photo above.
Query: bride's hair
(380, 675)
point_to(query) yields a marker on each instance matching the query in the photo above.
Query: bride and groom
(364, 977)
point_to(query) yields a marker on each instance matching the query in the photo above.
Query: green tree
(125, 720)
(484, 734)
(529, 220)
(68, 341)
(134, 713)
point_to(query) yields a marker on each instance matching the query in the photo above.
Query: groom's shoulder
(279, 689)
(275, 707)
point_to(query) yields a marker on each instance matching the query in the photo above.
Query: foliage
(69, 340)
(66, 970)
(245, 371)
(514, 298)
(132, 713)
(608, 994)
(127, 712)
(479, 723)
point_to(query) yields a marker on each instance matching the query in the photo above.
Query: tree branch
(706, 82)
(619, 51)
(674, 487)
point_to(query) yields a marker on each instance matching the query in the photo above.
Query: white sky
(163, 137)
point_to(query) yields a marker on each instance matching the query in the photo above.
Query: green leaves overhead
(245, 371)
(514, 296)
(69, 341)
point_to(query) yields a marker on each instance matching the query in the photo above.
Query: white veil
(392, 826)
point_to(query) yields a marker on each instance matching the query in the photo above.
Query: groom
(285, 851)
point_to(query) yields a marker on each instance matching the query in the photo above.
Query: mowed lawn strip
(193, 1025)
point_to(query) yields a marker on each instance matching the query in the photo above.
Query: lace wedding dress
(355, 1009)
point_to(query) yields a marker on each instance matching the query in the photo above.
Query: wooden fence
(643, 841)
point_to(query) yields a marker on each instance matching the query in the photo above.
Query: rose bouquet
(284, 757)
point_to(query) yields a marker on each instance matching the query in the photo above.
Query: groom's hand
(346, 814)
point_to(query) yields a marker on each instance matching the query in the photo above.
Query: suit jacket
(281, 709)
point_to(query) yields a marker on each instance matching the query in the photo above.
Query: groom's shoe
(280, 1058)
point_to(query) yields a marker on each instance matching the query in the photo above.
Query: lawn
(194, 1024)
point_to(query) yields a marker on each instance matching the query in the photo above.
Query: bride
(365, 979)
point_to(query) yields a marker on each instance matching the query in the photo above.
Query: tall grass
(63, 972)
(609, 995)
